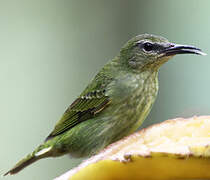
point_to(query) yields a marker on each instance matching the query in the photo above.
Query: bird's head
(150, 51)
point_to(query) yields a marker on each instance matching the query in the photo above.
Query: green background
(50, 49)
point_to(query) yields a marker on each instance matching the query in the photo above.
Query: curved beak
(174, 49)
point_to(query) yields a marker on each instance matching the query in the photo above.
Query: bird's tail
(41, 152)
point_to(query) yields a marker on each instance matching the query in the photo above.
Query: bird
(115, 102)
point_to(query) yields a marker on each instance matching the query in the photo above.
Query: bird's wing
(83, 108)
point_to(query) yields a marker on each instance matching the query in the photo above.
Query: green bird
(114, 104)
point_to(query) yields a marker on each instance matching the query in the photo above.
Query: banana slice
(174, 149)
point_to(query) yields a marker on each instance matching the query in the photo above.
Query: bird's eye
(148, 46)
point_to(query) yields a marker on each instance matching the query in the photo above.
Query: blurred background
(49, 51)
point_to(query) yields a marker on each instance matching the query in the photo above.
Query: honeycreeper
(114, 104)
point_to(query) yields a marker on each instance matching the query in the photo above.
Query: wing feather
(83, 108)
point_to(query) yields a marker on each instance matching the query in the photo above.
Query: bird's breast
(132, 97)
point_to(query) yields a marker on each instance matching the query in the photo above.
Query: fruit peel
(173, 149)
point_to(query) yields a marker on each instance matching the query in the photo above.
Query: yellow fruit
(173, 149)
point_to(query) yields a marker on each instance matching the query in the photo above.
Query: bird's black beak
(174, 49)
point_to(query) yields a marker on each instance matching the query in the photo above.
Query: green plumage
(83, 108)
(114, 104)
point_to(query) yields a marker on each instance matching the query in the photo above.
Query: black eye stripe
(148, 46)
